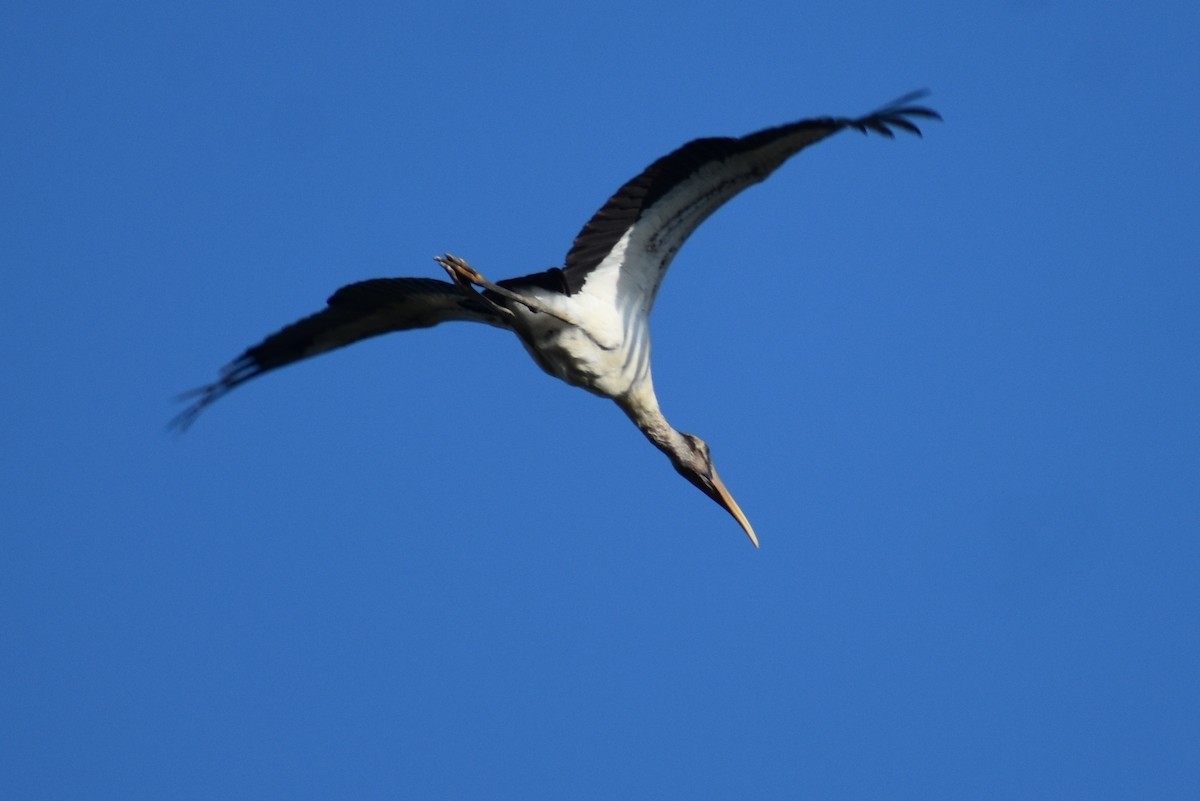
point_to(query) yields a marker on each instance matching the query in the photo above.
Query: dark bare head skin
(694, 463)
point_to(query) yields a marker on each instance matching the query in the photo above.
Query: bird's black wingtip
(180, 423)
(903, 100)
(234, 374)
(896, 115)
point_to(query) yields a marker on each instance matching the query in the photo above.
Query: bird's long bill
(721, 495)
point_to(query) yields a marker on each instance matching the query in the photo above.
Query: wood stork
(586, 323)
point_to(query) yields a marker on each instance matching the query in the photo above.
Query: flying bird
(587, 322)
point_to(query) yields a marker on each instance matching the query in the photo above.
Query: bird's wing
(627, 246)
(355, 312)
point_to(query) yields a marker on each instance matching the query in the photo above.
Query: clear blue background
(953, 381)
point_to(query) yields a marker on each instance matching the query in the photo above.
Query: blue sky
(952, 381)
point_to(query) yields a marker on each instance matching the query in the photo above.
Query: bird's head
(694, 463)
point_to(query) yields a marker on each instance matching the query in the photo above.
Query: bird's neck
(641, 405)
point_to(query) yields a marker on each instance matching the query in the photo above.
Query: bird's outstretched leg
(468, 278)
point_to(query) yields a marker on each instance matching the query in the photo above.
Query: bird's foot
(468, 278)
(461, 273)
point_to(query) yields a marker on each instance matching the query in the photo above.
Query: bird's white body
(605, 348)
